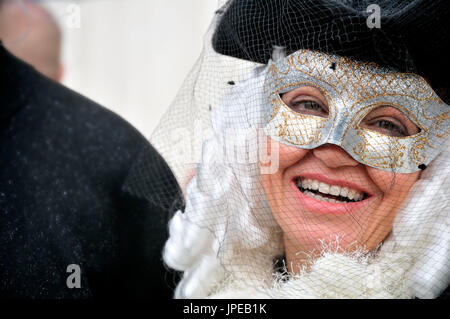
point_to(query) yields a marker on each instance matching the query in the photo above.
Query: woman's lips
(326, 196)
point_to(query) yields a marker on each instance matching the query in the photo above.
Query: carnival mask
(353, 90)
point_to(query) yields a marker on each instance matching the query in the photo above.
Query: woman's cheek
(273, 184)
(392, 183)
(287, 155)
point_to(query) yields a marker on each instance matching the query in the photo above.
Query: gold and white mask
(352, 91)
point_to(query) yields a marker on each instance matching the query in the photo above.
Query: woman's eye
(388, 128)
(308, 107)
(390, 121)
(306, 100)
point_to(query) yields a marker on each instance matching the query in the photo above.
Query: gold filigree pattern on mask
(369, 152)
(277, 75)
(418, 150)
(438, 119)
(306, 129)
(270, 113)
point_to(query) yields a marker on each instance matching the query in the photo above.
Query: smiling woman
(326, 192)
(349, 195)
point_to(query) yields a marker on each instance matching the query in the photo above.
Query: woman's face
(324, 194)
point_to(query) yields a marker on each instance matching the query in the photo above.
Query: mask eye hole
(390, 121)
(306, 100)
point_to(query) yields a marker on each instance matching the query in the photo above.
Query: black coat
(76, 187)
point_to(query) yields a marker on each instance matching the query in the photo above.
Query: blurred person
(31, 33)
(76, 217)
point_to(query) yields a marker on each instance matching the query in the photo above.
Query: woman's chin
(320, 241)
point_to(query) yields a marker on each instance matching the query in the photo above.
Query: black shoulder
(150, 178)
(81, 114)
(72, 128)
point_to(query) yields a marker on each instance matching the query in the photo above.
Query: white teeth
(344, 192)
(322, 198)
(324, 188)
(335, 190)
(351, 194)
(311, 184)
(314, 185)
(306, 183)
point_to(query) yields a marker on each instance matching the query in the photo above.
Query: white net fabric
(265, 217)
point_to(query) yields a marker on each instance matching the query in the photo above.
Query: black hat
(412, 36)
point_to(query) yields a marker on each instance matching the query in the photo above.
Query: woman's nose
(334, 156)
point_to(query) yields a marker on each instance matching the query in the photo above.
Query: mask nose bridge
(341, 119)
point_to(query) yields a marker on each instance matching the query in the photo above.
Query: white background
(131, 56)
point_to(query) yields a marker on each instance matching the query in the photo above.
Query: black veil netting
(292, 209)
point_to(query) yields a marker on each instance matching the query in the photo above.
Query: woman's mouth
(330, 193)
(320, 194)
